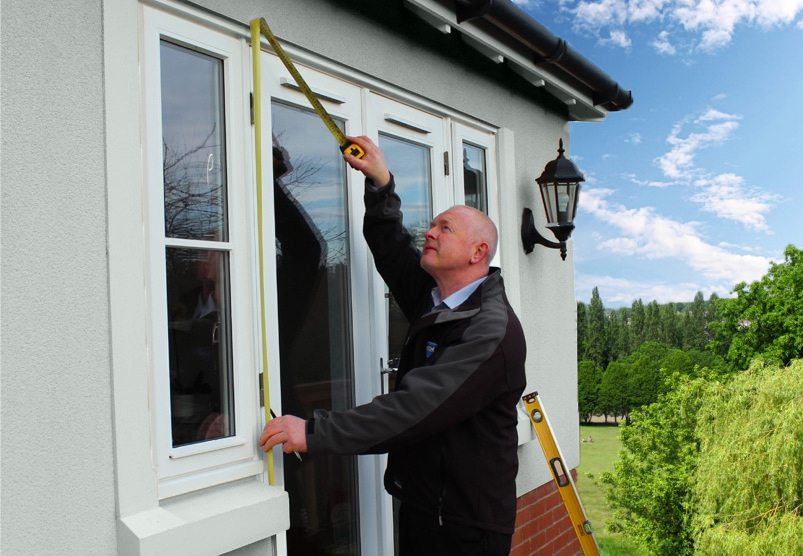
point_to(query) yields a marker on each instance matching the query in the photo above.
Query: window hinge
(252, 108)
(445, 163)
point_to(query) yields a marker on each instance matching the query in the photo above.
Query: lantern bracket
(530, 236)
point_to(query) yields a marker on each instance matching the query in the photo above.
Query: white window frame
(486, 141)
(187, 468)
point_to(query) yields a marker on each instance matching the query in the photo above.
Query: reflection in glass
(198, 279)
(193, 137)
(410, 165)
(474, 177)
(199, 325)
(313, 263)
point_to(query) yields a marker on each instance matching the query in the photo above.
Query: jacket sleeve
(396, 257)
(467, 377)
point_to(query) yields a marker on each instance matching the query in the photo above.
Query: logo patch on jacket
(430, 349)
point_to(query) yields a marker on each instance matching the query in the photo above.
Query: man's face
(448, 246)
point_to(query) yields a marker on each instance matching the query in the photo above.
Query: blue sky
(699, 184)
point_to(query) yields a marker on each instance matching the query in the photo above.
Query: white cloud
(662, 44)
(617, 38)
(678, 163)
(595, 15)
(713, 21)
(645, 233)
(647, 183)
(713, 114)
(726, 196)
(634, 138)
(621, 292)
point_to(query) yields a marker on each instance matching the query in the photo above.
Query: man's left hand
(289, 431)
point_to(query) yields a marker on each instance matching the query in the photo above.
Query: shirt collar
(457, 297)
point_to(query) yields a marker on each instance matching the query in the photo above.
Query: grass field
(596, 457)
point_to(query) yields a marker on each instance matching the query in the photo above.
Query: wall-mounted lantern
(560, 188)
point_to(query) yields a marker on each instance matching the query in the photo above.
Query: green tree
(652, 322)
(597, 349)
(711, 316)
(613, 329)
(637, 324)
(589, 377)
(765, 318)
(646, 379)
(650, 487)
(695, 324)
(614, 394)
(582, 331)
(671, 331)
(625, 337)
(751, 428)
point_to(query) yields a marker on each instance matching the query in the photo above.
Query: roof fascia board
(581, 107)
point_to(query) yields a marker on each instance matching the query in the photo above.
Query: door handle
(389, 372)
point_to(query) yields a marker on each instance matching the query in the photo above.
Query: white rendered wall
(57, 462)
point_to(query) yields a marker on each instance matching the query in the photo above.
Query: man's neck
(448, 285)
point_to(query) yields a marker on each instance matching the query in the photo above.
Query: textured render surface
(57, 465)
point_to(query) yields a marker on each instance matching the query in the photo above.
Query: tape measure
(562, 476)
(346, 146)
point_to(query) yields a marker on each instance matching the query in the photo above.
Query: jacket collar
(470, 307)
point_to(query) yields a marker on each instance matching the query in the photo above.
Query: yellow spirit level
(562, 476)
(346, 146)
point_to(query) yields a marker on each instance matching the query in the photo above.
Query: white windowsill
(211, 521)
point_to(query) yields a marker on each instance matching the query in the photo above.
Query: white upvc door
(337, 327)
(327, 336)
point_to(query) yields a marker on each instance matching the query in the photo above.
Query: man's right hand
(373, 164)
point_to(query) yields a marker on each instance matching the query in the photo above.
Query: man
(449, 426)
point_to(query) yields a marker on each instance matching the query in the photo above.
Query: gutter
(548, 51)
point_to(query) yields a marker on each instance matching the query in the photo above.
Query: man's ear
(480, 252)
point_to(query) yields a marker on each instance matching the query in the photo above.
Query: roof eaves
(504, 33)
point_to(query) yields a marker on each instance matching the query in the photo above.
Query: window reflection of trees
(194, 189)
(304, 185)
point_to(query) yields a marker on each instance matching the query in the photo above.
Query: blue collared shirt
(457, 297)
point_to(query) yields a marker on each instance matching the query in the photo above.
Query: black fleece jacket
(449, 426)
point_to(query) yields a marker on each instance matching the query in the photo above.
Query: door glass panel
(474, 177)
(410, 165)
(199, 324)
(193, 142)
(314, 323)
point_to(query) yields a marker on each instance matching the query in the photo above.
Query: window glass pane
(409, 163)
(474, 177)
(193, 143)
(199, 335)
(317, 370)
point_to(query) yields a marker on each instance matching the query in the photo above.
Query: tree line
(713, 464)
(624, 355)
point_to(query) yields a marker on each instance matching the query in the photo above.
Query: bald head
(480, 228)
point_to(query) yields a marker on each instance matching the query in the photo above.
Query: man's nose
(431, 233)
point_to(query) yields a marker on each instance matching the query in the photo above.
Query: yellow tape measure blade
(345, 146)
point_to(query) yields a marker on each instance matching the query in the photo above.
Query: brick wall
(543, 527)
